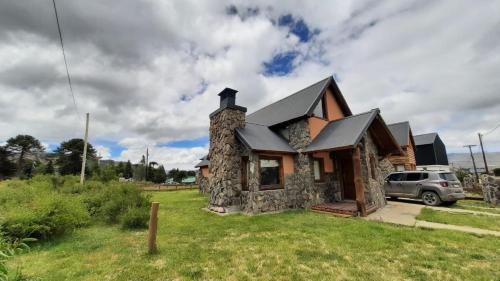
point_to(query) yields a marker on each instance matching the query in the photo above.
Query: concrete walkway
(406, 213)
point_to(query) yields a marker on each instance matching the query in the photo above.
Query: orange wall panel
(288, 164)
(333, 109)
(316, 124)
(204, 171)
(326, 160)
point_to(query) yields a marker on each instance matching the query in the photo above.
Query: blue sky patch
(297, 27)
(281, 64)
(203, 141)
(114, 148)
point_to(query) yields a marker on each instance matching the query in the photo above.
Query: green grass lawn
(472, 220)
(475, 205)
(294, 245)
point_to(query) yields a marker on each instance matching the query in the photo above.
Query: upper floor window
(320, 111)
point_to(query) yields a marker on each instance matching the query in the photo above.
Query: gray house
(304, 151)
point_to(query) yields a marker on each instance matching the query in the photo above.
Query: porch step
(347, 209)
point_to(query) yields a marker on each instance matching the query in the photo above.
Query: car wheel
(431, 198)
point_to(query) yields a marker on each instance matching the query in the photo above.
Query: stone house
(403, 135)
(304, 151)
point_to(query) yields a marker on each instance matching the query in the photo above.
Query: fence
(167, 187)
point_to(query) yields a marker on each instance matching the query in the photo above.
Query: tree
(127, 173)
(7, 168)
(23, 145)
(120, 169)
(70, 154)
(159, 175)
(49, 169)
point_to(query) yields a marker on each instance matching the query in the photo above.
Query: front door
(348, 178)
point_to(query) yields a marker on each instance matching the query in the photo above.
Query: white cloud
(131, 70)
(103, 151)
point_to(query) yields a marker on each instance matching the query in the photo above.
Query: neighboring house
(188, 180)
(403, 135)
(430, 151)
(202, 174)
(304, 151)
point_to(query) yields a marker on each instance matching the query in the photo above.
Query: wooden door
(348, 178)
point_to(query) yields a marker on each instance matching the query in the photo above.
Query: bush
(46, 216)
(496, 171)
(135, 218)
(109, 203)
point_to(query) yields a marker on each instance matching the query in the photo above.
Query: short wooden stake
(153, 227)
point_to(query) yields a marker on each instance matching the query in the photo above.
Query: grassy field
(294, 245)
(472, 220)
(475, 205)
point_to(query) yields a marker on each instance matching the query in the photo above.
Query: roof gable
(261, 138)
(425, 138)
(401, 132)
(347, 132)
(297, 105)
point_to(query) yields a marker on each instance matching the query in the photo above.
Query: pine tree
(127, 173)
(49, 169)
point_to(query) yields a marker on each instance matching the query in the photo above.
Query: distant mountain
(463, 160)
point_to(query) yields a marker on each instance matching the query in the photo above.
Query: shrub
(496, 171)
(45, 217)
(135, 218)
(110, 202)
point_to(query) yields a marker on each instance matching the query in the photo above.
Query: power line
(65, 61)
(491, 131)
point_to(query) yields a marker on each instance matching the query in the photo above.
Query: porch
(346, 208)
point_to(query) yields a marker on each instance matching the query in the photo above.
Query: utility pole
(147, 163)
(473, 162)
(482, 150)
(84, 160)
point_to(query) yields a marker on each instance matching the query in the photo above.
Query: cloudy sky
(149, 71)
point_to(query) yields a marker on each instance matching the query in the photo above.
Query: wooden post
(358, 182)
(84, 157)
(153, 227)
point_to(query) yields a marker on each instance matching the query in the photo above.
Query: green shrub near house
(49, 206)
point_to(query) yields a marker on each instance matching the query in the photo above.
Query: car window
(395, 177)
(448, 176)
(425, 176)
(413, 176)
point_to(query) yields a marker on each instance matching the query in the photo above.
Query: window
(425, 176)
(399, 168)
(320, 111)
(395, 177)
(448, 176)
(413, 177)
(373, 167)
(319, 170)
(244, 173)
(270, 172)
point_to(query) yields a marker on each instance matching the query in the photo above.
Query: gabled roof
(425, 138)
(297, 105)
(204, 162)
(402, 132)
(261, 138)
(347, 132)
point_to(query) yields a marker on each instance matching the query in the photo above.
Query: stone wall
(202, 182)
(224, 155)
(374, 188)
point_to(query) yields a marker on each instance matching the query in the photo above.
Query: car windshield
(448, 176)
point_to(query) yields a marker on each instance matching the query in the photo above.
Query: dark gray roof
(260, 137)
(343, 133)
(204, 162)
(425, 138)
(401, 132)
(295, 106)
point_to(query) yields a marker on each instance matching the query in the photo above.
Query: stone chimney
(224, 153)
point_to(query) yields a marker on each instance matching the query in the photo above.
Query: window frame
(280, 185)
(244, 173)
(323, 109)
(321, 162)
